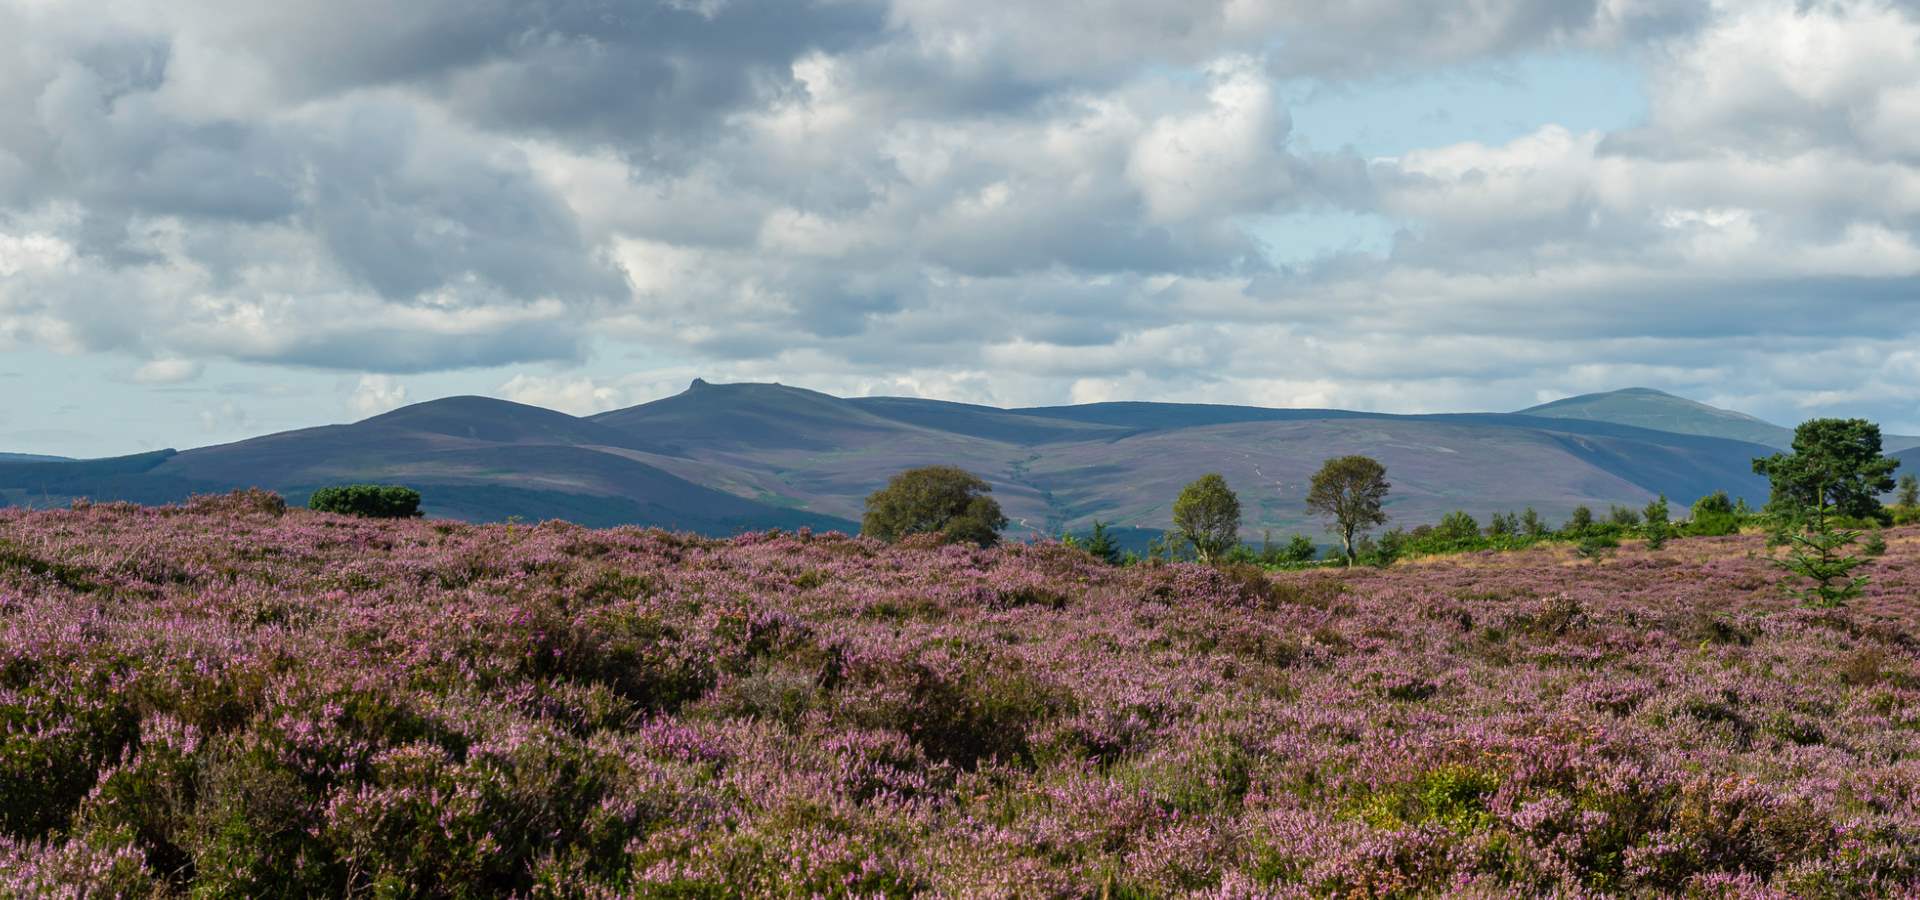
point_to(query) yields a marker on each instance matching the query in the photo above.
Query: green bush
(1298, 552)
(1715, 515)
(1457, 525)
(942, 500)
(1446, 538)
(371, 501)
(1597, 545)
(1390, 547)
(1299, 549)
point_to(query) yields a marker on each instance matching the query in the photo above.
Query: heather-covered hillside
(230, 701)
(722, 459)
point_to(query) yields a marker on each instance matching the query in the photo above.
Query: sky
(220, 219)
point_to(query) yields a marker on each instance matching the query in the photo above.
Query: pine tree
(1818, 553)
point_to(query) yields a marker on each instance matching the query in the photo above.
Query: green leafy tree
(1349, 491)
(1624, 516)
(943, 500)
(1531, 524)
(1907, 506)
(372, 501)
(1716, 504)
(1458, 525)
(1503, 525)
(1835, 463)
(1659, 525)
(1714, 515)
(1580, 523)
(1207, 516)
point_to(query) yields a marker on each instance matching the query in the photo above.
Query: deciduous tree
(1207, 515)
(935, 500)
(1349, 492)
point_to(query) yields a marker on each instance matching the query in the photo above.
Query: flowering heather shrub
(241, 502)
(216, 700)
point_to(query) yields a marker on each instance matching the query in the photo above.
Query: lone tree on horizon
(1835, 465)
(1349, 490)
(1834, 471)
(944, 500)
(1207, 514)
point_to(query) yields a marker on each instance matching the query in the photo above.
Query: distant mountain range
(720, 458)
(29, 457)
(1661, 411)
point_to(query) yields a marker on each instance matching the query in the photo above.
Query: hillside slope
(30, 457)
(1059, 468)
(720, 457)
(1661, 411)
(472, 458)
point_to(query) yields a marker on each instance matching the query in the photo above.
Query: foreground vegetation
(236, 700)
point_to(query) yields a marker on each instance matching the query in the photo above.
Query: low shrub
(1597, 546)
(242, 502)
(1204, 774)
(371, 501)
(54, 740)
(964, 710)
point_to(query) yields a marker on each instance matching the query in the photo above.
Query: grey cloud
(410, 213)
(1048, 193)
(645, 76)
(406, 351)
(1359, 38)
(638, 74)
(321, 212)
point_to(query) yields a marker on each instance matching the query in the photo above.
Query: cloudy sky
(219, 218)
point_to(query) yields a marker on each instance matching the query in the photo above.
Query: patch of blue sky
(1295, 239)
(1490, 103)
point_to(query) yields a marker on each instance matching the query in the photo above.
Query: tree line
(1824, 508)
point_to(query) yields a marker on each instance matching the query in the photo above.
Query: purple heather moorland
(227, 700)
